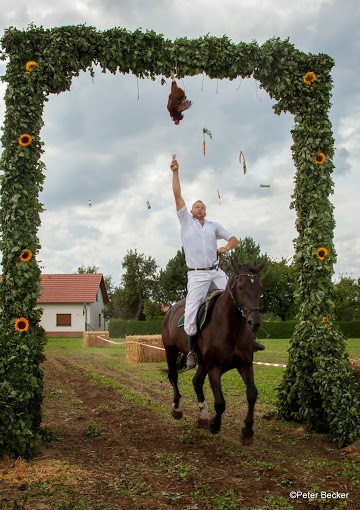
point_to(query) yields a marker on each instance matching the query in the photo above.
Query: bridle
(250, 308)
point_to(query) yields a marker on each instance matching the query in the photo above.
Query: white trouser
(198, 286)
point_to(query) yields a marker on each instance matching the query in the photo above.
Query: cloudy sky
(110, 139)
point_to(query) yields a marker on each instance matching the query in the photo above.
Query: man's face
(198, 211)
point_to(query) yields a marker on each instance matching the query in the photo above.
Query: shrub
(119, 328)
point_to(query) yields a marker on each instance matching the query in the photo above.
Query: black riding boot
(258, 346)
(191, 359)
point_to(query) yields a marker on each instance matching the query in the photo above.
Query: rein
(251, 308)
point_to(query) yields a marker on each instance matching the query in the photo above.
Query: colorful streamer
(241, 155)
(219, 196)
(205, 132)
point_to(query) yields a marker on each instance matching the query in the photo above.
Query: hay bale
(144, 349)
(92, 339)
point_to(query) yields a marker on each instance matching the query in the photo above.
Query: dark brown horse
(224, 342)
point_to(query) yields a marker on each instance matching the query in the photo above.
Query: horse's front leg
(178, 405)
(198, 382)
(219, 401)
(247, 373)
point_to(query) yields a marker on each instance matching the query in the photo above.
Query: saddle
(204, 312)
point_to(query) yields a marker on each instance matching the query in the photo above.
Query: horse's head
(245, 289)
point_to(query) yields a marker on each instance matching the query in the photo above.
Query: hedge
(119, 328)
(286, 329)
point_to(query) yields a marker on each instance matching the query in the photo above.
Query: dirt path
(115, 446)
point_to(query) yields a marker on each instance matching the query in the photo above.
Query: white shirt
(200, 242)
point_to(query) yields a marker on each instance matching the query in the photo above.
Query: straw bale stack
(144, 349)
(91, 339)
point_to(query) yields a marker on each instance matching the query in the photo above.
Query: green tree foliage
(173, 280)
(278, 293)
(138, 283)
(153, 310)
(298, 83)
(347, 299)
(123, 304)
(246, 250)
(87, 270)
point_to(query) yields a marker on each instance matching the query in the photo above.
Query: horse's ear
(235, 265)
(258, 268)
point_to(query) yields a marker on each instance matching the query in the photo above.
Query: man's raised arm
(179, 201)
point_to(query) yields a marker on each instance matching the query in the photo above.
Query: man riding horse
(199, 238)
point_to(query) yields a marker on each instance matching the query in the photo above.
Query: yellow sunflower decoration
(30, 66)
(322, 253)
(309, 78)
(25, 140)
(324, 320)
(21, 325)
(25, 256)
(319, 158)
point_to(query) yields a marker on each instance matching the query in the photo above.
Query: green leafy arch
(318, 387)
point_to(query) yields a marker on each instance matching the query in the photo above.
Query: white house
(72, 303)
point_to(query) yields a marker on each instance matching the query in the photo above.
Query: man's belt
(202, 268)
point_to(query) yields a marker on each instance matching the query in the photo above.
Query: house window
(97, 297)
(63, 319)
(99, 319)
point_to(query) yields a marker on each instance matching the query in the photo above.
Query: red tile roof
(71, 288)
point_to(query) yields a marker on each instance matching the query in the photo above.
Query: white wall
(48, 320)
(93, 311)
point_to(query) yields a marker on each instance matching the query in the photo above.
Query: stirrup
(258, 346)
(191, 360)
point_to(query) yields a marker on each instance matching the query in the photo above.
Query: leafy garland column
(22, 340)
(319, 387)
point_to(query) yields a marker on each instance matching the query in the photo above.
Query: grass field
(267, 378)
(110, 443)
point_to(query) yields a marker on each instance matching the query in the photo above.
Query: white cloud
(110, 139)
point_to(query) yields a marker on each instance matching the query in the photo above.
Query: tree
(153, 309)
(122, 305)
(278, 295)
(246, 250)
(87, 270)
(173, 280)
(139, 282)
(347, 299)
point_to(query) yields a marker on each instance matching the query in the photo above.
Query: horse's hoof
(203, 423)
(176, 414)
(213, 429)
(247, 441)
